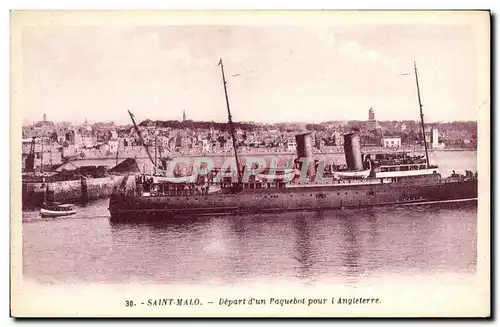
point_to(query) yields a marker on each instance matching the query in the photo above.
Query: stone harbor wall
(70, 191)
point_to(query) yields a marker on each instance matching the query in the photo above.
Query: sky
(275, 72)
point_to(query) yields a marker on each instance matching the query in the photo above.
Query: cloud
(154, 37)
(350, 48)
(371, 55)
(179, 53)
(325, 35)
(355, 50)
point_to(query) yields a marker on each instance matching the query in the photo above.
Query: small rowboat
(57, 210)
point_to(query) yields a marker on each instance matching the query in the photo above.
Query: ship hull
(137, 208)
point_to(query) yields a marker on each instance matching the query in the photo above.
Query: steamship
(367, 181)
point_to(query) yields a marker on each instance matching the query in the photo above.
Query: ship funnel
(352, 151)
(304, 150)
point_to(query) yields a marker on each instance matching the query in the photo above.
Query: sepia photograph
(250, 163)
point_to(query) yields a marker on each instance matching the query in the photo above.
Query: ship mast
(231, 127)
(41, 162)
(117, 151)
(156, 153)
(421, 116)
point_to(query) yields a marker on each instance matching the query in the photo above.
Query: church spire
(184, 115)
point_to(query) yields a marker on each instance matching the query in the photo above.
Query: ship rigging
(231, 126)
(138, 131)
(421, 115)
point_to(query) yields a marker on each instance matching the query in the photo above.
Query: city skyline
(275, 73)
(129, 122)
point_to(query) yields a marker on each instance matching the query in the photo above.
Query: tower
(372, 123)
(183, 115)
(44, 117)
(371, 114)
(434, 137)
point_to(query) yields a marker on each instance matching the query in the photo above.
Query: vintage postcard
(250, 164)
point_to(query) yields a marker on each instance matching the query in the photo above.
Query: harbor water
(343, 246)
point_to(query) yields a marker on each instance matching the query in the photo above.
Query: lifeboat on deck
(351, 174)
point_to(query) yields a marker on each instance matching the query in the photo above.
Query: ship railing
(343, 181)
(469, 175)
(173, 189)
